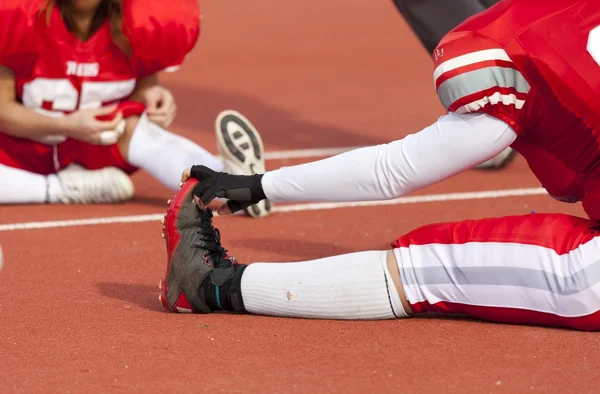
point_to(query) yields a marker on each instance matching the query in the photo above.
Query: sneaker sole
(244, 152)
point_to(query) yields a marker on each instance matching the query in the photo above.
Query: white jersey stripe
(496, 98)
(470, 58)
(504, 254)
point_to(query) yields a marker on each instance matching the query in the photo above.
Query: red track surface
(79, 304)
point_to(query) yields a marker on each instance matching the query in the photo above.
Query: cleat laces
(210, 240)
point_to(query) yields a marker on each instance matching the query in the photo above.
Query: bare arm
(18, 120)
(142, 86)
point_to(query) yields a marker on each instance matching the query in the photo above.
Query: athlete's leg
(200, 278)
(24, 187)
(34, 173)
(352, 286)
(536, 269)
(163, 154)
(24, 166)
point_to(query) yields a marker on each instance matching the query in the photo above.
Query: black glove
(241, 190)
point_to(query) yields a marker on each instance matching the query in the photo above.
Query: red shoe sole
(172, 238)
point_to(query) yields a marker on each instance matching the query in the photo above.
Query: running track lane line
(307, 153)
(289, 208)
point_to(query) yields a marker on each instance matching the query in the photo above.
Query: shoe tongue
(206, 214)
(221, 261)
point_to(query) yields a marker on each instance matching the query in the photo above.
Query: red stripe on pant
(512, 315)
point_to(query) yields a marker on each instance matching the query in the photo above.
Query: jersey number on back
(593, 45)
(59, 95)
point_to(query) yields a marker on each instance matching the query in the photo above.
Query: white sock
(24, 187)
(165, 155)
(354, 286)
(55, 189)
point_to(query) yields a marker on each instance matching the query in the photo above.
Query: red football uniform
(535, 64)
(56, 73)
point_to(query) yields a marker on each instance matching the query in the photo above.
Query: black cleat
(196, 261)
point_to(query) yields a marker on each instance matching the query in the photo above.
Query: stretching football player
(81, 107)
(526, 73)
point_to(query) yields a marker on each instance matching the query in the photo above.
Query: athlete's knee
(394, 270)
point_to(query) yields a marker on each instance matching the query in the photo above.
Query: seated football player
(81, 107)
(523, 73)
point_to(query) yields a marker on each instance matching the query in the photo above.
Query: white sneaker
(242, 150)
(83, 186)
(500, 160)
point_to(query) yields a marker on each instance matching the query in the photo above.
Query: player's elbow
(395, 174)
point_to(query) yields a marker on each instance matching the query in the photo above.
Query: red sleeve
(161, 33)
(17, 32)
(475, 74)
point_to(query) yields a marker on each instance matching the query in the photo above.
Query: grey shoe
(242, 150)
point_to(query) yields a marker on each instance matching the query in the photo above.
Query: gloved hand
(242, 191)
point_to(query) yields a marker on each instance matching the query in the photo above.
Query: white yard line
(288, 208)
(416, 199)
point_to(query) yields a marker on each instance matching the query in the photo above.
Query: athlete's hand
(241, 190)
(160, 105)
(85, 125)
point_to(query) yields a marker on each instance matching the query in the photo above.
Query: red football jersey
(57, 73)
(536, 65)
